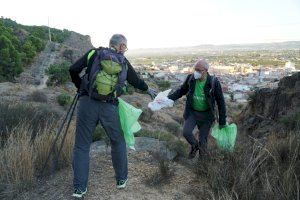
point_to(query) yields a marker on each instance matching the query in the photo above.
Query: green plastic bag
(129, 121)
(226, 136)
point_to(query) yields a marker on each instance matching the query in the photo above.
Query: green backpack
(106, 74)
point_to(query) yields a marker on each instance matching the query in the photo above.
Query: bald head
(201, 65)
(201, 68)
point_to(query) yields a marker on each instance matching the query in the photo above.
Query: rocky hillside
(273, 110)
(70, 50)
(75, 46)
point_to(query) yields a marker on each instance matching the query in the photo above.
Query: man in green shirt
(203, 92)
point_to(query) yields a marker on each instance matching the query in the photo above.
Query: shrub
(253, 171)
(173, 143)
(163, 85)
(163, 174)
(64, 99)
(21, 160)
(58, 74)
(130, 89)
(251, 97)
(174, 128)
(240, 106)
(291, 122)
(38, 96)
(146, 115)
(37, 118)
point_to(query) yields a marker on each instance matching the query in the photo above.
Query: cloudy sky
(165, 23)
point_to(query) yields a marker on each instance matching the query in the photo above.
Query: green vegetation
(27, 132)
(253, 171)
(35, 117)
(130, 89)
(292, 121)
(163, 85)
(63, 99)
(58, 74)
(173, 142)
(20, 44)
(163, 174)
(38, 96)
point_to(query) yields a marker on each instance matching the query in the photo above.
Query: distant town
(239, 79)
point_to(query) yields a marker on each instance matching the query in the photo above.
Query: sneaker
(193, 151)
(78, 193)
(121, 183)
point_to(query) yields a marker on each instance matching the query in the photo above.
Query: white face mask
(197, 75)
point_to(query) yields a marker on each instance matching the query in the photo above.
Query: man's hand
(152, 93)
(221, 126)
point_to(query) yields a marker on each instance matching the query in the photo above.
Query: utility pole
(49, 30)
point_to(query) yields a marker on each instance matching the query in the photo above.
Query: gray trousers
(204, 121)
(91, 112)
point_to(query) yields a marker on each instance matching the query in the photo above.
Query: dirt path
(35, 74)
(142, 167)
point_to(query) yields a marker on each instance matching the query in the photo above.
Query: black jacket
(81, 63)
(188, 88)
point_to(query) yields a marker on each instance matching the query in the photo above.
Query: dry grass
(21, 159)
(38, 96)
(255, 171)
(164, 173)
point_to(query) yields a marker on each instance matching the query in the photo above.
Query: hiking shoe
(121, 183)
(193, 151)
(78, 193)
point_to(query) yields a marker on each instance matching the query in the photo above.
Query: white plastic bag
(161, 101)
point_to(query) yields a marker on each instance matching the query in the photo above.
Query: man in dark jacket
(102, 108)
(202, 91)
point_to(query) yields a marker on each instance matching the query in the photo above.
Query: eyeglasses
(125, 47)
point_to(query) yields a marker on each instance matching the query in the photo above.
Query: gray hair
(117, 39)
(203, 63)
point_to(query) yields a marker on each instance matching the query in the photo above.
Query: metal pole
(59, 132)
(65, 134)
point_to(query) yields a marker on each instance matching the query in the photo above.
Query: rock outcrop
(273, 110)
(75, 46)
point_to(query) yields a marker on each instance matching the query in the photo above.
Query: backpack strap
(91, 53)
(90, 59)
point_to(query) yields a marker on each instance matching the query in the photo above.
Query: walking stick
(71, 109)
(65, 134)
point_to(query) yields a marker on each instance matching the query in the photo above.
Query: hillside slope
(273, 110)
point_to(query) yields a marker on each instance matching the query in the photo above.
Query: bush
(291, 122)
(163, 85)
(254, 171)
(130, 89)
(251, 97)
(38, 96)
(146, 115)
(21, 160)
(164, 173)
(58, 74)
(174, 128)
(173, 143)
(26, 134)
(64, 99)
(37, 118)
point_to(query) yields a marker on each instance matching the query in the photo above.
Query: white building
(173, 69)
(186, 70)
(289, 66)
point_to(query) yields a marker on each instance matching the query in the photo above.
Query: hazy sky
(165, 23)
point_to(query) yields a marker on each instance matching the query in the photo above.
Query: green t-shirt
(199, 100)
